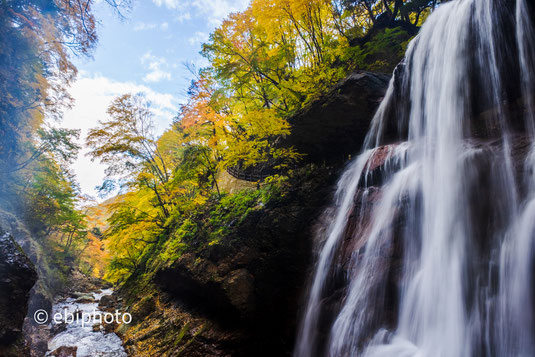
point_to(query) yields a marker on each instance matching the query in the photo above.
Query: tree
(37, 41)
(127, 144)
(233, 134)
(35, 68)
(58, 142)
(50, 190)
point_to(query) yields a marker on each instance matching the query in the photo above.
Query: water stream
(77, 333)
(453, 203)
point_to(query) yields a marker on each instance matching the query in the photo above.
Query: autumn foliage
(266, 64)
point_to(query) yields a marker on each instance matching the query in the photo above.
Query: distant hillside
(95, 257)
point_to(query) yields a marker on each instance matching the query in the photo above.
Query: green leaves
(60, 142)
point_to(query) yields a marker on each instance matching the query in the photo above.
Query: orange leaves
(198, 120)
(95, 257)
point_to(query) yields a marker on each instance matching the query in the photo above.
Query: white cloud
(157, 68)
(212, 10)
(93, 95)
(198, 37)
(183, 16)
(147, 56)
(170, 4)
(217, 10)
(141, 26)
(157, 75)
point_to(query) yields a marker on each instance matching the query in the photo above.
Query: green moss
(181, 334)
(384, 51)
(210, 224)
(230, 212)
(176, 244)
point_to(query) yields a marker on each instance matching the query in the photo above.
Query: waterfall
(428, 248)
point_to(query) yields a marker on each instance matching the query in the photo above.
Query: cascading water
(429, 248)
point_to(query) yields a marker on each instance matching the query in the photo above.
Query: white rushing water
(465, 285)
(79, 334)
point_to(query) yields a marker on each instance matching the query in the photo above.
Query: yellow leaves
(133, 225)
(95, 257)
(252, 137)
(170, 145)
(199, 200)
(263, 123)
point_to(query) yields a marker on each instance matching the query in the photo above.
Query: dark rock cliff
(17, 277)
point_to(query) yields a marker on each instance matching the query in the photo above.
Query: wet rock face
(385, 285)
(17, 277)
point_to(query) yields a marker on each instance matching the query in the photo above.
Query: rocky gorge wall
(49, 280)
(242, 297)
(17, 277)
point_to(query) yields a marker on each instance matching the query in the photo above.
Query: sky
(146, 52)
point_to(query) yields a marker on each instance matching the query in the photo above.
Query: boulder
(17, 277)
(239, 286)
(107, 301)
(84, 300)
(64, 351)
(81, 295)
(39, 299)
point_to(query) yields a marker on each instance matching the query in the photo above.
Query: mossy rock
(143, 308)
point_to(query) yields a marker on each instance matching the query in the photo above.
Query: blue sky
(146, 52)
